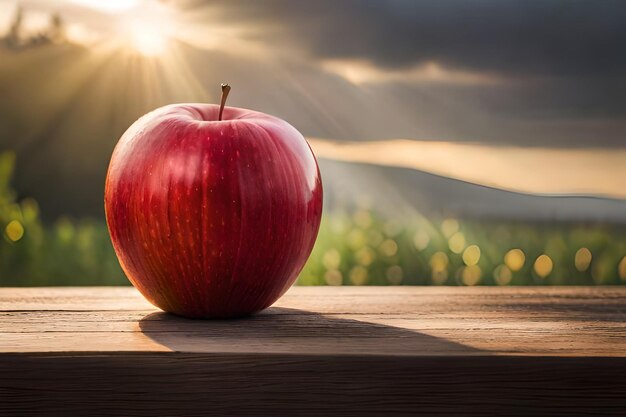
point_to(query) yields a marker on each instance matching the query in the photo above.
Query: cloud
(363, 72)
(521, 71)
(516, 37)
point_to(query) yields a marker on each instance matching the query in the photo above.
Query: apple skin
(208, 218)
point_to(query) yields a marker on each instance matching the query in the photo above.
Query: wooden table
(318, 351)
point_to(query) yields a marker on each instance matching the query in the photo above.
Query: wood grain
(318, 351)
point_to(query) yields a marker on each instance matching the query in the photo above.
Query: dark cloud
(557, 114)
(561, 65)
(528, 37)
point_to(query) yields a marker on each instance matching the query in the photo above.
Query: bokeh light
(421, 239)
(471, 275)
(543, 265)
(14, 231)
(365, 256)
(331, 259)
(449, 227)
(439, 261)
(394, 274)
(388, 248)
(356, 239)
(358, 275)
(456, 243)
(515, 259)
(439, 267)
(471, 255)
(582, 259)
(333, 277)
(502, 275)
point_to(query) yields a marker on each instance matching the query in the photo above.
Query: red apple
(212, 216)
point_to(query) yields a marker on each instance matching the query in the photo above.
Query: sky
(524, 72)
(542, 82)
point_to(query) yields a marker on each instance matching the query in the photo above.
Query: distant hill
(403, 191)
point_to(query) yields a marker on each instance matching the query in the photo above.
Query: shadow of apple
(286, 330)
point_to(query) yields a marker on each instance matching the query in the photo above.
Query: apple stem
(225, 91)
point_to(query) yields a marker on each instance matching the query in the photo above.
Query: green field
(355, 247)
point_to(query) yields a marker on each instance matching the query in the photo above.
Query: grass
(360, 248)
(355, 247)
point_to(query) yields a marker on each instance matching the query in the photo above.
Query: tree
(13, 38)
(56, 30)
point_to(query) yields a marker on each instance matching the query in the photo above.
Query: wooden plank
(278, 331)
(309, 385)
(318, 351)
(411, 320)
(377, 300)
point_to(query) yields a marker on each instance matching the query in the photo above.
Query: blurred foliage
(65, 253)
(353, 248)
(361, 248)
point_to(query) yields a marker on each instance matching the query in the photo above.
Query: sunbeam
(148, 38)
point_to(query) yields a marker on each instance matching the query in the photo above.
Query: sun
(148, 38)
(143, 27)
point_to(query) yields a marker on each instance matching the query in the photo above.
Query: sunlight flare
(148, 38)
